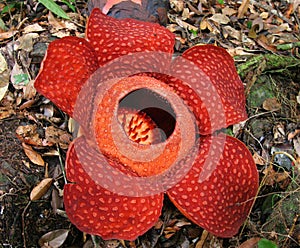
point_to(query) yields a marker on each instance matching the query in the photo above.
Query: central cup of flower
(147, 118)
(150, 129)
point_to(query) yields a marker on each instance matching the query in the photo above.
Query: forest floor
(262, 36)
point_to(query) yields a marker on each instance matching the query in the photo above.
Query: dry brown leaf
(228, 11)
(29, 135)
(27, 104)
(4, 77)
(41, 189)
(58, 136)
(219, 18)
(205, 25)
(55, 23)
(33, 155)
(296, 143)
(185, 14)
(257, 26)
(243, 8)
(25, 42)
(56, 201)
(33, 28)
(271, 104)
(54, 239)
(292, 135)
(250, 243)
(273, 177)
(177, 5)
(279, 133)
(186, 25)
(236, 34)
(263, 41)
(264, 15)
(258, 159)
(29, 90)
(6, 112)
(8, 34)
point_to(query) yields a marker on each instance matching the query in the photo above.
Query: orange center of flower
(139, 127)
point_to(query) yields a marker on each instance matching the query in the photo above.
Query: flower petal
(112, 38)
(67, 65)
(218, 192)
(213, 88)
(96, 210)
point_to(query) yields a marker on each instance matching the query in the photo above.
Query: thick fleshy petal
(219, 190)
(206, 79)
(112, 38)
(67, 65)
(96, 210)
(220, 68)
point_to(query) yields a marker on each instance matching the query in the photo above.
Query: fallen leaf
(8, 34)
(205, 25)
(55, 23)
(228, 11)
(29, 90)
(292, 135)
(3, 91)
(265, 43)
(54, 239)
(18, 77)
(219, 18)
(186, 25)
(271, 104)
(258, 159)
(6, 112)
(58, 136)
(236, 34)
(4, 77)
(26, 42)
(33, 155)
(33, 28)
(56, 201)
(296, 143)
(257, 26)
(28, 134)
(41, 189)
(250, 243)
(177, 5)
(264, 15)
(279, 132)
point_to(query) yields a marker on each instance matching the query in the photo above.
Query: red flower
(149, 127)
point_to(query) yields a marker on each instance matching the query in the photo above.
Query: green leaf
(8, 8)
(53, 7)
(21, 79)
(265, 243)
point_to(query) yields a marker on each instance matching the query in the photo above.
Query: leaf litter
(263, 37)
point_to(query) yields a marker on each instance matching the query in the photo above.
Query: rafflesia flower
(149, 126)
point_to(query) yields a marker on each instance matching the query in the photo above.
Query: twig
(62, 165)
(291, 231)
(23, 223)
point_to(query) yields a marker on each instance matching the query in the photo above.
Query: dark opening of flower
(149, 128)
(152, 111)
